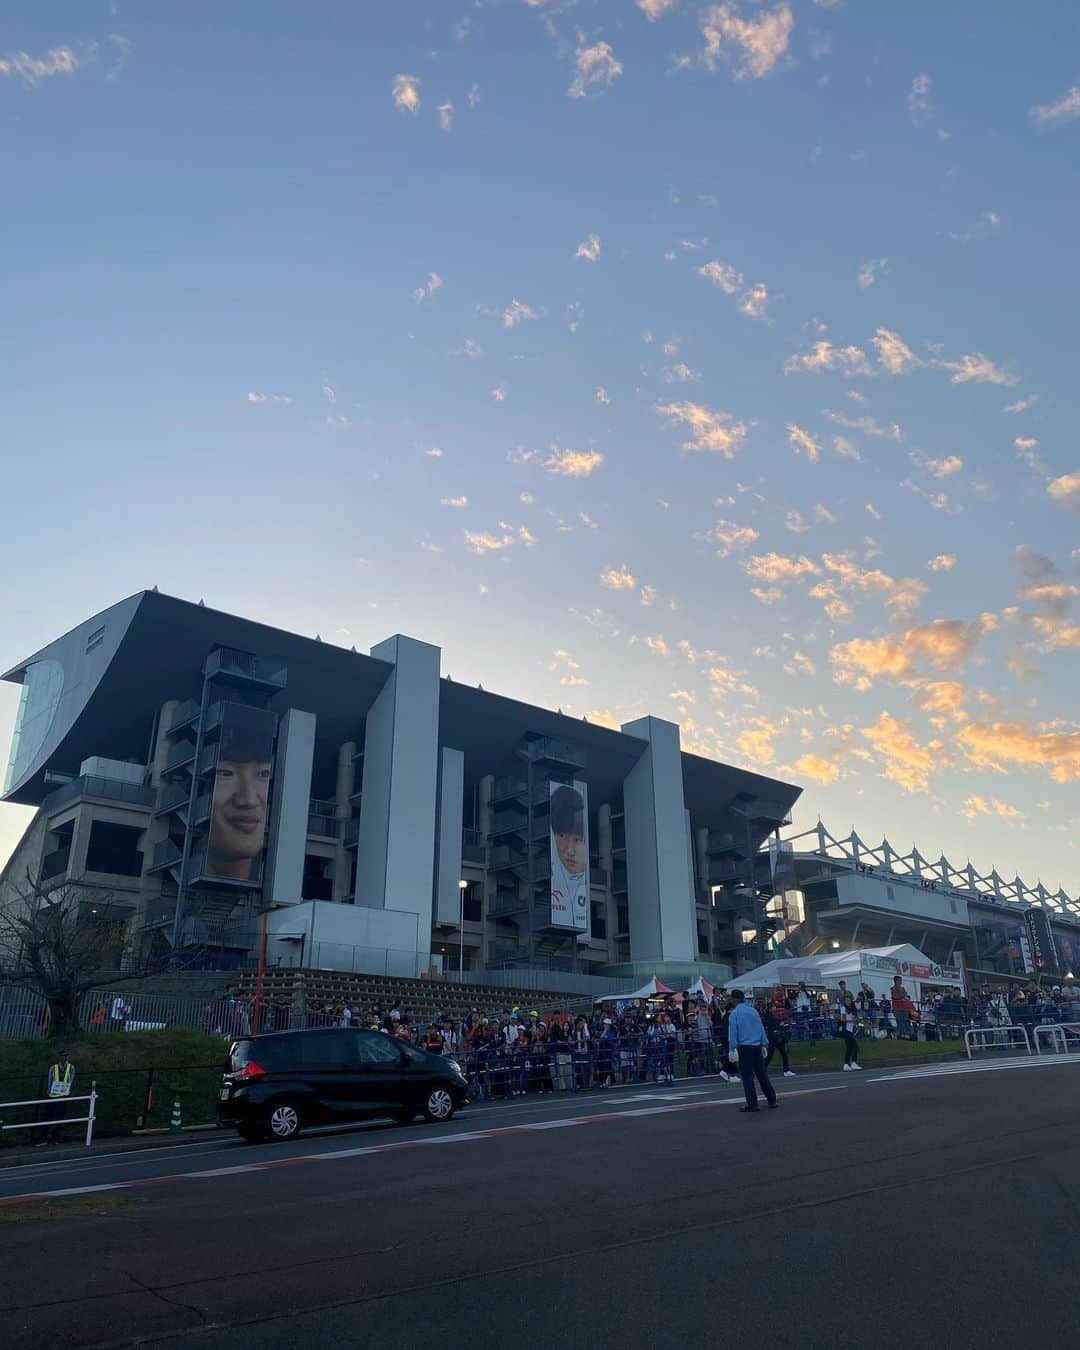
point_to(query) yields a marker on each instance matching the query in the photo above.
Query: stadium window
(114, 849)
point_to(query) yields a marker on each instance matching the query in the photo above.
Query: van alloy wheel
(283, 1121)
(439, 1105)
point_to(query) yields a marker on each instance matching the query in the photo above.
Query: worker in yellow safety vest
(59, 1086)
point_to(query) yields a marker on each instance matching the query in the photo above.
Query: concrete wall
(396, 843)
(659, 875)
(448, 857)
(347, 937)
(290, 798)
(857, 888)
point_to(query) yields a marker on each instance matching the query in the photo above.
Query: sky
(715, 361)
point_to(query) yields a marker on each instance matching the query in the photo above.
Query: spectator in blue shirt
(747, 1043)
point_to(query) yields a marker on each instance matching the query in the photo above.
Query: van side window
(377, 1049)
(327, 1050)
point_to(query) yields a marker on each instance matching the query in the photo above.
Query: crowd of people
(544, 1050)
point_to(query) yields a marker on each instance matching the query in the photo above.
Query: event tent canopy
(652, 989)
(874, 966)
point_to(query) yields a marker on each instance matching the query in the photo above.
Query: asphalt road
(931, 1206)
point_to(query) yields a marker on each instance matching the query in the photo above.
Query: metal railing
(1061, 1038)
(996, 1038)
(93, 785)
(57, 1122)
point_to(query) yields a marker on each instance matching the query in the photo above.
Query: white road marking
(418, 1142)
(951, 1070)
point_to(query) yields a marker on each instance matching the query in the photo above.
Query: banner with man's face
(569, 816)
(241, 793)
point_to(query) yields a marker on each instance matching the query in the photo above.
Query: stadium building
(204, 770)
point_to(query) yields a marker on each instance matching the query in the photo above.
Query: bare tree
(59, 940)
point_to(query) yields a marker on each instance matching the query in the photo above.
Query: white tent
(650, 990)
(874, 966)
(701, 987)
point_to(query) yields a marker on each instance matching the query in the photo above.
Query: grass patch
(829, 1054)
(65, 1207)
(186, 1064)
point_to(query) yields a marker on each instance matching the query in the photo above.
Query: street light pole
(463, 886)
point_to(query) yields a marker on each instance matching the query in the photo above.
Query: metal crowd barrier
(996, 1038)
(1058, 1038)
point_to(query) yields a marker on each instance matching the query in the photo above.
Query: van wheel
(283, 1121)
(439, 1104)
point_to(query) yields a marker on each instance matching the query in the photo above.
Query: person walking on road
(59, 1083)
(747, 1043)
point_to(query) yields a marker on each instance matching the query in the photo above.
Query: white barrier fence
(57, 1123)
(1060, 1039)
(996, 1038)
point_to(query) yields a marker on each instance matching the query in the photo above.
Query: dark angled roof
(154, 650)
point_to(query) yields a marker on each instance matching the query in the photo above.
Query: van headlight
(456, 1067)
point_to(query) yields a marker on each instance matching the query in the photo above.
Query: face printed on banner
(241, 792)
(568, 827)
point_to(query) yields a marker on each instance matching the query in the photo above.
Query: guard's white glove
(733, 1058)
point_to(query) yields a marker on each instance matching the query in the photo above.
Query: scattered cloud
(602, 395)
(730, 536)
(944, 467)
(618, 579)
(710, 430)
(31, 70)
(903, 759)
(499, 393)
(595, 69)
(751, 46)
(999, 745)
(944, 562)
(814, 766)
(1064, 109)
(435, 453)
(453, 501)
(754, 301)
(824, 356)
(1066, 489)
(573, 463)
(516, 312)
(756, 743)
(587, 520)
(603, 717)
(728, 278)
(803, 443)
(895, 357)
(870, 271)
(480, 541)
(427, 290)
(1021, 404)
(654, 9)
(406, 91)
(918, 99)
(977, 368)
(777, 568)
(253, 397)
(867, 425)
(473, 95)
(589, 248)
(975, 806)
(942, 645)
(338, 420)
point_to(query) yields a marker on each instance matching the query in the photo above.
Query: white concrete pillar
(658, 870)
(396, 844)
(450, 816)
(290, 799)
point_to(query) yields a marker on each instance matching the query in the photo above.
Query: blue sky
(716, 361)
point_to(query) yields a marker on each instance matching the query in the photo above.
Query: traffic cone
(176, 1125)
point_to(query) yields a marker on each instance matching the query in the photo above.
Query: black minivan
(283, 1081)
